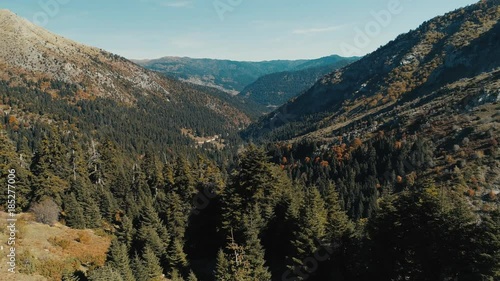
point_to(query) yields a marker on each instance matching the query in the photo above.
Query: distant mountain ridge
(275, 89)
(229, 76)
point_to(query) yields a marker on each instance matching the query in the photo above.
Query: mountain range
(382, 167)
(230, 76)
(103, 94)
(275, 89)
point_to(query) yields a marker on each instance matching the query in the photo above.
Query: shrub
(27, 263)
(46, 211)
(61, 242)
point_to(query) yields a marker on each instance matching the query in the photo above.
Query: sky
(249, 30)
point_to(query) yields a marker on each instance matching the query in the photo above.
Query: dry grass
(45, 252)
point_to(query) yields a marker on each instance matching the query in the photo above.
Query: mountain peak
(31, 49)
(6, 12)
(8, 19)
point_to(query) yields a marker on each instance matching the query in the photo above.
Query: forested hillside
(388, 169)
(281, 215)
(275, 89)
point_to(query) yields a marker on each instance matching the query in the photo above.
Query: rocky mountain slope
(440, 82)
(30, 48)
(459, 45)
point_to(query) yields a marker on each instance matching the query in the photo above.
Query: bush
(27, 263)
(61, 242)
(46, 211)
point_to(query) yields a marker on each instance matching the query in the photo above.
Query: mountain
(388, 167)
(419, 75)
(50, 79)
(275, 89)
(229, 76)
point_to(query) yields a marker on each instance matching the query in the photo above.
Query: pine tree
(177, 215)
(424, 233)
(118, 259)
(168, 176)
(74, 212)
(152, 169)
(108, 205)
(256, 182)
(254, 253)
(192, 276)
(184, 182)
(176, 256)
(154, 271)
(46, 183)
(104, 274)
(140, 268)
(84, 194)
(9, 161)
(148, 237)
(126, 231)
(311, 228)
(484, 250)
(338, 223)
(209, 175)
(235, 265)
(149, 217)
(176, 276)
(222, 269)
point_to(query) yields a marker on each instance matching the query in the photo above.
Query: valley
(385, 166)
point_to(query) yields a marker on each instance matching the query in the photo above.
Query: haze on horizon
(238, 29)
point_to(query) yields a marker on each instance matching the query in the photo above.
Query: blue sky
(232, 29)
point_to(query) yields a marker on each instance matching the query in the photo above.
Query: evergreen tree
(176, 256)
(10, 161)
(46, 183)
(489, 257)
(233, 265)
(184, 182)
(149, 218)
(176, 276)
(104, 274)
(423, 234)
(107, 204)
(140, 268)
(126, 231)
(74, 212)
(222, 269)
(256, 182)
(147, 236)
(154, 271)
(254, 253)
(338, 223)
(118, 260)
(192, 276)
(311, 228)
(168, 176)
(152, 168)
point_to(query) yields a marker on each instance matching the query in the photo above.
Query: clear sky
(232, 29)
